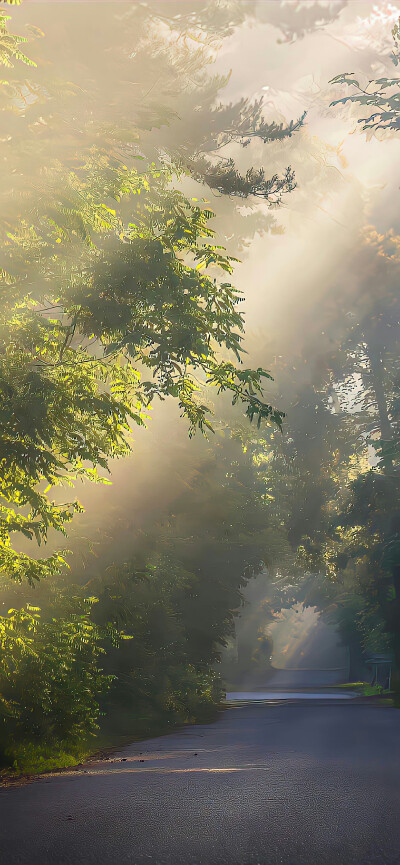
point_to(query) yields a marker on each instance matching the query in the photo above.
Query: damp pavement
(275, 783)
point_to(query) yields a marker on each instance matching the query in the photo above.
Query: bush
(49, 684)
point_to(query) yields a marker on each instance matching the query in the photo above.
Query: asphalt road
(292, 784)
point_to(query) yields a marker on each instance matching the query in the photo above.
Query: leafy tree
(355, 545)
(369, 530)
(105, 281)
(381, 96)
(359, 515)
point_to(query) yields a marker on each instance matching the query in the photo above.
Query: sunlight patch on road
(155, 770)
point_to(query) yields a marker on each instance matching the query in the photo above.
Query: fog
(303, 266)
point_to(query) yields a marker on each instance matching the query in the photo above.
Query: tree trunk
(395, 628)
(377, 369)
(393, 619)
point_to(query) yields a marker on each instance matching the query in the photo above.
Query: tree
(110, 288)
(371, 519)
(382, 95)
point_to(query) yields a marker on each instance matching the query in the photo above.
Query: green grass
(351, 686)
(365, 689)
(28, 758)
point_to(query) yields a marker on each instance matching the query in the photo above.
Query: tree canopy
(111, 286)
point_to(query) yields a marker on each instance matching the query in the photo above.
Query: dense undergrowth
(56, 710)
(58, 704)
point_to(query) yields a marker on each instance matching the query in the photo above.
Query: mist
(213, 560)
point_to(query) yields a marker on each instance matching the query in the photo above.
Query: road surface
(294, 784)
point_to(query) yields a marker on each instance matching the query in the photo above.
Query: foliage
(71, 383)
(110, 290)
(355, 547)
(49, 682)
(242, 122)
(224, 177)
(382, 95)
